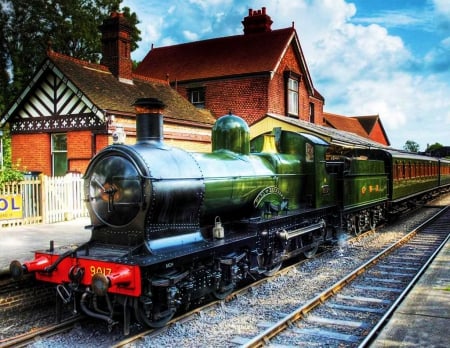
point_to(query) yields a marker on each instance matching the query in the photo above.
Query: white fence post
(48, 199)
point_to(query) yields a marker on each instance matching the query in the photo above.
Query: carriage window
(396, 171)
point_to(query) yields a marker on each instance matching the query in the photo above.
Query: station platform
(20, 242)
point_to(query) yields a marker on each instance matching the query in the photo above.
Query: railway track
(351, 312)
(199, 314)
(39, 333)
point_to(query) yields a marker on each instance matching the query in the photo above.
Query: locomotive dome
(230, 132)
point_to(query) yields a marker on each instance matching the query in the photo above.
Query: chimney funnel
(149, 120)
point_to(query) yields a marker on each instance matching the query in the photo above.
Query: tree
(433, 147)
(411, 146)
(28, 27)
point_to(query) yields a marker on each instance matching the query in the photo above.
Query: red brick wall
(101, 141)
(79, 150)
(318, 110)
(254, 96)
(79, 145)
(246, 97)
(277, 101)
(32, 152)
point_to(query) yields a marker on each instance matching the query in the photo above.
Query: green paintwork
(231, 133)
(365, 182)
(301, 158)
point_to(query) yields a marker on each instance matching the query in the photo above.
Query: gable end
(52, 102)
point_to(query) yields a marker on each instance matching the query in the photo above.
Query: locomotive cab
(303, 154)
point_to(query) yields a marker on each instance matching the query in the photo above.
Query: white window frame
(197, 97)
(53, 151)
(293, 93)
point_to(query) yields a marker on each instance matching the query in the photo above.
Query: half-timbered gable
(53, 103)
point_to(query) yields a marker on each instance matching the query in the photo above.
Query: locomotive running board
(286, 235)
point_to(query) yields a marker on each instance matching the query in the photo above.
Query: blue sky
(366, 57)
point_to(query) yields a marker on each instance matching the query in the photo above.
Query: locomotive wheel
(355, 225)
(372, 223)
(223, 291)
(143, 318)
(274, 269)
(310, 253)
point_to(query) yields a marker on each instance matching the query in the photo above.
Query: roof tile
(226, 56)
(108, 93)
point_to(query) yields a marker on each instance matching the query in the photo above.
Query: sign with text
(11, 207)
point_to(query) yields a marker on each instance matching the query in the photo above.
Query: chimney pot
(257, 21)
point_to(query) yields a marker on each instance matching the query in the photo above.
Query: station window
(197, 96)
(59, 154)
(292, 96)
(312, 115)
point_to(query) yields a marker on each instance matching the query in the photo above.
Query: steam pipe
(83, 304)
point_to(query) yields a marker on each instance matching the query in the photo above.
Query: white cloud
(357, 65)
(361, 69)
(442, 7)
(190, 36)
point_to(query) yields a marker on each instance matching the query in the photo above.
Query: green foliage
(411, 146)
(9, 172)
(29, 27)
(10, 175)
(433, 147)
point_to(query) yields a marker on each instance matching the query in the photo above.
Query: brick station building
(71, 108)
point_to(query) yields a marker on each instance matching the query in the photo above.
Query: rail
(285, 323)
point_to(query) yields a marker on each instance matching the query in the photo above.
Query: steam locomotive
(171, 228)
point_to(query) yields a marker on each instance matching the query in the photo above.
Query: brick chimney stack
(257, 22)
(116, 46)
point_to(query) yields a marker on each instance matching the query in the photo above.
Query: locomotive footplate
(291, 221)
(207, 246)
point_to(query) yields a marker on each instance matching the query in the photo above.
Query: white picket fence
(47, 199)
